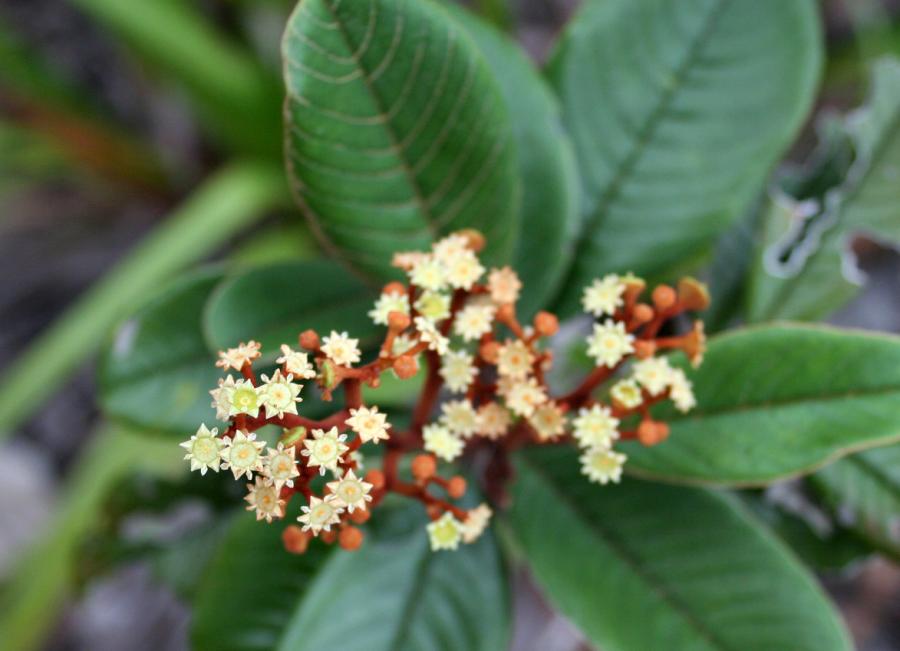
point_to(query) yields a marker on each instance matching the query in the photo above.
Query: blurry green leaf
(157, 371)
(394, 594)
(274, 304)
(864, 490)
(549, 210)
(779, 401)
(227, 202)
(396, 131)
(643, 566)
(278, 243)
(807, 270)
(678, 111)
(44, 576)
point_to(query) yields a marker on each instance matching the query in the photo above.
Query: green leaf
(780, 401)
(396, 131)
(549, 211)
(275, 303)
(157, 371)
(394, 594)
(864, 489)
(643, 566)
(678, 110)
(807, 270)
(225, 203)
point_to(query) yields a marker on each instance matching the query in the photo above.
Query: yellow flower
(445, 532)
(281, 465)
(493, 420)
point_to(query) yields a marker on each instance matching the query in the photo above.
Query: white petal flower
(296, 363)
(476, 522)
(245, 399)
(222, 398)
(602, 465)
(236, 358)
(604, 296)
(280, 395)
(449, 248)
(281, 465)
(340, 348)
(402, 344)
(596, 427)
(429, 333)
(406, 260)
(369, 424)
(458, 370)
(429, 274)
(515, 360)
(681, 391)
(474, 320)
(445, 532)
(350, 492)
(548, 421)
(504, 286)
(464, 270)
(627, 393)
(204, 450)
(493, 420)
(325, 449)
(265, 500)
(389, 302)
(609, 343)
(654, 374)
(320, 515)
(460, 417)
(441, 442)
(242, 454)
(525, 396)
(434, 306)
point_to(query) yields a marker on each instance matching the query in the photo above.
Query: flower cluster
(457, 321)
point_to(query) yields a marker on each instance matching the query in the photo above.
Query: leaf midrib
(412, 599)
(632, 561)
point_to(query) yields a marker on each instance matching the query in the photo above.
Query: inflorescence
(494, 370)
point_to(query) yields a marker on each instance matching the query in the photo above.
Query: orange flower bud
(506, 313)
(664, 297)
(350, 538)
(359, 516)
(423, 467)
(295, 539)
(651, 432)
(490, 352)
(694, 344)
(376, 478)
(434, 511)
(546, 324)
(394, 287)
(642, 313)
(692, 294)
(644, 348)
(309, 339)
(456, 487)
(328, 537)
(398, 321)
(475, 240)
(406, 366)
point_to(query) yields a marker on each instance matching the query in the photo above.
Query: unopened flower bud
(651, 432)
(474, 239)
(643, 313)
(490, 352)
(456, 487)
(546, 324)
(692, 294)
(309, 339)
(406, 366)
(398, 321)
(434, 511)
(350, 539)
(695, 344)
(394, 287)
(644, 348)
(423, 467)
(360, 516)
(328, 537)
(664, 297)
(295, 539)
(293, 436)
(376, 478)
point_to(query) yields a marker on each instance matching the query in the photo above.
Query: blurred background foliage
(138, 139)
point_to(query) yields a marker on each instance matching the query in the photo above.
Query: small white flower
(449, 248)
(236, 358)
(204, 450)
(548, 421)
(369, 424)
(434, 306)
(429, 333)
(441, 442)
(296, 363)
(265, 500)
(604, 296)
(281, 465)
(476, 522)
(515, 360)
(474, 320)
(681, 391)
(445, 532)
(609, 343)
(654, 374)
(320, 514)
(464, 270)
(460, 417)
(458, 370)
(493, 420)
(350, 492)
(429, 274)
(245, 399)
(387, 303)
(340, 348)
(280, 395)
(402, 344)
(325, 449)
(406, 260)
(504, 286)
(602, 465)
(627, 393)
(524, 397)
(595, 427)
(222, 398)
(242, 453)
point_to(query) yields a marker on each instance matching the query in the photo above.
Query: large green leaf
(396, 131)
(807, 270)
(678, 110)
(157, 371)
(275, 303)
(394, 594)
(549, 213)
(645, 566)
(865, 491)
(779, 401)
